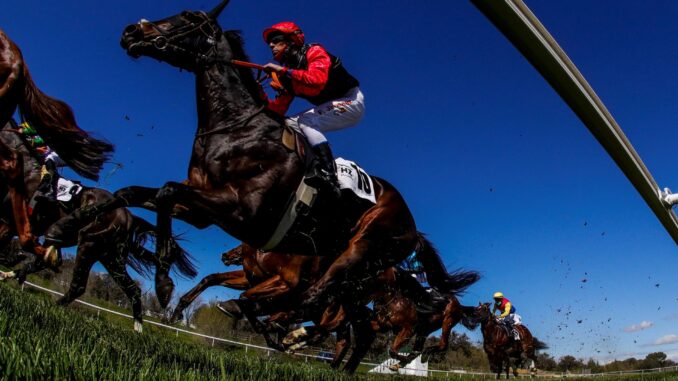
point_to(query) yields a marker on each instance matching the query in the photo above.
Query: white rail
(520, 26)
(448, 373)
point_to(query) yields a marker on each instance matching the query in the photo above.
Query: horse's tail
(453, 283)
(142, 259)
(538, 344)
(55, 122)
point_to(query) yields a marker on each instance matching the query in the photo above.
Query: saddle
(509, 330)
(299, 220)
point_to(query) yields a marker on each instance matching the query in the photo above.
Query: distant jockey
(310, 72)
(508, 314)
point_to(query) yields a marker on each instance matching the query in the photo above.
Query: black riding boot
(324, 175)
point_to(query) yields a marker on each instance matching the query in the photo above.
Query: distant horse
(241, 176)
(502, 350)
(109, 239)
(52, 119)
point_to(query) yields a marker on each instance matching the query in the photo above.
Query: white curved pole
(528, 35)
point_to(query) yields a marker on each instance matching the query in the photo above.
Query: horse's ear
(214, 13)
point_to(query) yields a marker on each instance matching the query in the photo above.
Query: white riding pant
(53, 156)
(337, 114)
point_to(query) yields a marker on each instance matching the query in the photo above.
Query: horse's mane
(237, 43)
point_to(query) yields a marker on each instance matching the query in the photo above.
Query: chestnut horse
(110, 239)
(53, 120)
(241, 176)
(274, 282)
(501, 349)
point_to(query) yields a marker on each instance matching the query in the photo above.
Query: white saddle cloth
(352, 177)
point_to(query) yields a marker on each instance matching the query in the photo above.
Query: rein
(275, 81)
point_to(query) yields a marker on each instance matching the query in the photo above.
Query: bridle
(166, 41)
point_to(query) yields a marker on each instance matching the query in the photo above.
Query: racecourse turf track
(42, 341)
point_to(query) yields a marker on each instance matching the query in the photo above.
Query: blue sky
(496, 169)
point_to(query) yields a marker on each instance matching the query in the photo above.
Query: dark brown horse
(54, 121)
(110, 239)
(241, 176)
(502, 350)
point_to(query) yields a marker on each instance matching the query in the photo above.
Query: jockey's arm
(507, 310)
(314, 78)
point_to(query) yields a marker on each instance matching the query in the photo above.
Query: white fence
(441, 373)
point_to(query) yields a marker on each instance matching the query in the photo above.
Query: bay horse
(272, 283)
(501, 349)
(241, 176)
(109, 239)
(52, 119)
(411, 311)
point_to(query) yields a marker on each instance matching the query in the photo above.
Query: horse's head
(233, 257)
(483, 312)
(188, 40)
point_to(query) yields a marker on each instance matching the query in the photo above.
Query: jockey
(508, 313)
(51, 161)
(310, 72)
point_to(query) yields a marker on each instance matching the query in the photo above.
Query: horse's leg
(342, 345)
(451, 316)
(28, 241)
(270, 289)
(364, 336)
(232, 279)
(84, 260)
(333, 316)
(216, 206)
(117, 269)
(403, 336)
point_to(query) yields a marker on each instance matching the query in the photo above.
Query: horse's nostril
(131, 29)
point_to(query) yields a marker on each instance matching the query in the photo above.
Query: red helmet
(289, 29)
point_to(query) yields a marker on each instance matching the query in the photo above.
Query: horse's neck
(222, 97)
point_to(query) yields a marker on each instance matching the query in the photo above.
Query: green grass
(42, 341)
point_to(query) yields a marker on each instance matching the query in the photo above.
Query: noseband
(167, 40)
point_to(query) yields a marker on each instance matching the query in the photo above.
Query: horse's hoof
(394, 367)
(164, 286)
(295, 336)
(176, 316)
(7, 275)
(138, 326)
(52, 257)
(231, 309)
(294, 348)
